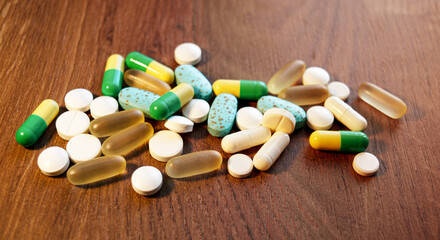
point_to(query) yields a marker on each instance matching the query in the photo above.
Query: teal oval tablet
(221, 116)
(135, 98)
(267, 102)
(191, 75)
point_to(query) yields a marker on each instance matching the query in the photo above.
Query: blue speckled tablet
(222, 115)
(267, 102)
(135, 98)
(189, 74)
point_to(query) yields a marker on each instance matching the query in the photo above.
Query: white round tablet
(240, 165)
(165, 145)
(72, 123)
(365, 164)
(196, 110)
(319, 118)
(53, 161)
(83, 147)
(248, 117)
(146, 180)
(188, 54)
(315, 75)
(339, 89)
(179, 124)
(78, 99)
(102, 106)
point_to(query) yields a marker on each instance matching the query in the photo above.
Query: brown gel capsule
(128, 139)
(96, 169)
(305, 95)
(142, 80)
(113, 123)
(288, 75)
(194, 164)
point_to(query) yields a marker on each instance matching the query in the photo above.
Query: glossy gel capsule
(242, 89)
(194, 164)
(171, 102)
(113, 76)
(95, 170)
(341, 141)
(305, 94)
(142, 80)
(113, 123)
(345, 114)
(128, 139)
(287, 76)
(136, 60)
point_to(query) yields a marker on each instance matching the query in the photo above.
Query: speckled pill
(128, 139)
(267, 102)
(194, 164)
(113, 123)
(134, 98)
(142, 80)
(222, 115)
(189, 74)
(96, 169)
(288, 75)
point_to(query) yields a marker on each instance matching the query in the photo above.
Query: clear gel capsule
(245, 139)
(113, 123)
(345, 114)
(138, 79)
(128, 139)
(271, 150)
(305, 94)
(96, 169)
(194, 164)
(288, 75)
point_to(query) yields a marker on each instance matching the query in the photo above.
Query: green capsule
(136, 60)
(171, 101)
(342, 141)
(113, 76)
(242, 89)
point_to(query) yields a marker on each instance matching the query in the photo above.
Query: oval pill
(171, 102)
(240, 165)
(242, 89)
(96, 169)
(287, 76)
(238, 141)
(319, 118)
(188, 53)
(128, 139)
(278, 119)
(189, 74)
(305, 94)
(365, 164)
(271, 151)
(113, 76)
(134, 98)
(196, 110)
(53, 161)
(102, 106)
(72, 123)
(342, 141)
(345, 114)
(78, 100)
(136, 60)
(179, 124)
(339, 89)
(267, 102)
(146, 180)
(248, 117)
(194, 164)
(142, 80)
(165, 145)
(222, 115)
(315, 75)
(113, 123)
(83, 147)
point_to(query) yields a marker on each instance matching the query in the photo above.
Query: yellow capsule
(305, 94)
(138, 79)
(342, 141)
(242, 89)
(288, 75)
(136, 60)
(128, 139)
(194, 164)
(96, 169)
(113, 123)
(171, 102)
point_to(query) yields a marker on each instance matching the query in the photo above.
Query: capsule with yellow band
(171, 101)
(342, 141)
(242, 89)
(113, 76)
(136, 60)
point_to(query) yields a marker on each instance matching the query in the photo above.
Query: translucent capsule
(136, 60)
(345, 114)
(305, 94)
(194, 164)
(242, 89)
(171, 101)
(271, 150)
(382, 100)
(245, 139)
(288, 75)
(138, 79)
(128, 139)
(114, 70)
(96, 169)
(342, 141)
(113, 123)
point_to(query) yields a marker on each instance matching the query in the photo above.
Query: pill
(339, 89)
(142, 80)
(382, 100)
(136, 60)
(96, 169)
(222, 115)
(240, 165)
(271, 151)
(102, 106)
(113, 123)
(128, 139)
(267, 102)
(194, 164)
(188, 54)
(319, 118)
(365, 164)
(278, 119)
(78, 100)
(342, 141)
(287, 76)
(113, 76)
(134, 98)
(179, 124)
(171, 102)
(72, 123)
(238, 141)
(34, 126)
(165, 145)
(345, 114)
(242, 89)
(189, 74)
(248, 117)
(53, 161)
(146, 180)
(196, 110)
(83, 147)
(315, 75)
(305, 94)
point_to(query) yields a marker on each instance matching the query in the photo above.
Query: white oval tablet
(240, 165)
(339, 89)
(319, 118)
(72, 123)
(248, 117)
(365, 164)
(102, 106)
(196, 110)
(53, 161)
(179, 124)
(188, 54)
(315, 75)
(83, 147)
(146, 180)
(78, 99)
(165, 145)
(278, 119)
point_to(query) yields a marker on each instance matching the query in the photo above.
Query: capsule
(288, 75)
(36, 123)
(142, 80)
(382, 100)
(113, 123)
(242, 89)
(171, 101)
(271, 151)
(136, 60)
(342, 141)
(96, 169)
(305, 94)
(113, 76)
(194, 164)
(345, 114)
(245, 139)
(128, 139)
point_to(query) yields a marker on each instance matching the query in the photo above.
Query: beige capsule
(345, 114)
(305, 94)
(142, 80)
(194, 164)
(96, 169)
(288, 75)
(128, 139)
(113, 123)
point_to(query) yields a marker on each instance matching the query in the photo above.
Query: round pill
(102, 106)
(72, 123)
(315, 75)
(248, 117)
(53, 161)
(196, 110)
(179, 124)
(365, 164)
(240, 165)
(278, 119)
(83, 147)
(78, 99)
(165, 145)
(319, 118)
(339, 89)
(188, 54)
(146, 180)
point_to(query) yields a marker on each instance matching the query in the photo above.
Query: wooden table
(50, 47)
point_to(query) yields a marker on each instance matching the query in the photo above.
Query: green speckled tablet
(192, 76)
(222, 115)
(267, 102)
(135, 98)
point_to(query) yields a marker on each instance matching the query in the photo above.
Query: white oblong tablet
(53, 161)
(188, 54)
(339, 89)
(240, 165)
(196, 110)
(146, 180)
(78, 99)
(83, 147)
(278, 119)
(165, 145)
(72, 123)
(248, 117)
(365, 164)
(102, 106)
(319, 118)
(315, 75)
(179, 124)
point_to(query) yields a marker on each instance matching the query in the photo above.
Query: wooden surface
(50, 47)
